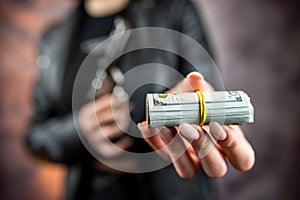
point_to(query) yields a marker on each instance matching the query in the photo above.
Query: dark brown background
(21, 25)
(257, 43)
(257, 47)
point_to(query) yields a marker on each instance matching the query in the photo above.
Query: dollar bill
(225, 107)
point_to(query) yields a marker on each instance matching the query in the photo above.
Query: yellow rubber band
(202, 108)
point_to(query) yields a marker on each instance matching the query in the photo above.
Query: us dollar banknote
(224, 107)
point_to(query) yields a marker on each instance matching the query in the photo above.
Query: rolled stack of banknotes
(224, 107)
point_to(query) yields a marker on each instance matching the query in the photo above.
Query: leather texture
(53, 134)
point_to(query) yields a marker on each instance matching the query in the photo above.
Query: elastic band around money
(202, 108)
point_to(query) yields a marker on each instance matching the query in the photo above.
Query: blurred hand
(191, 146)
(103, 121)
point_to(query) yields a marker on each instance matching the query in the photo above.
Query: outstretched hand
(191, 146)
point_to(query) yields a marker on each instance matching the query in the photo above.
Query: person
(231, 142)
(53, 134)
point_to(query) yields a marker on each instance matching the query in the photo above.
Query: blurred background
(256, 44)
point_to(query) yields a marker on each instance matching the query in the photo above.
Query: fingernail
(195, 75)
(141, 127)
(189, 132)
(217, 131)
(142, 124)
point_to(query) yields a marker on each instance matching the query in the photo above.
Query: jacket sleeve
(52, 138)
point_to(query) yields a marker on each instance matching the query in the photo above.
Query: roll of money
(224, 107)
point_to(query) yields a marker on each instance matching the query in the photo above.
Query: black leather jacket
(53, 135)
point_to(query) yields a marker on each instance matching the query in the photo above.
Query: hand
(105, 120)
(189, 146)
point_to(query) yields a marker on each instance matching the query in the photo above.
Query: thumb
(193, 81)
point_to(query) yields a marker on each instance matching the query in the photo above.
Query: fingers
(235, 146)
(152, 137)
(194, 81)
(108, 101)
(104, 120)
(114, 115)
(182, 157)
(105, 110)
(111, 132)
(211, 159)
(169, 144)
(124, 143)
(110, 150)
